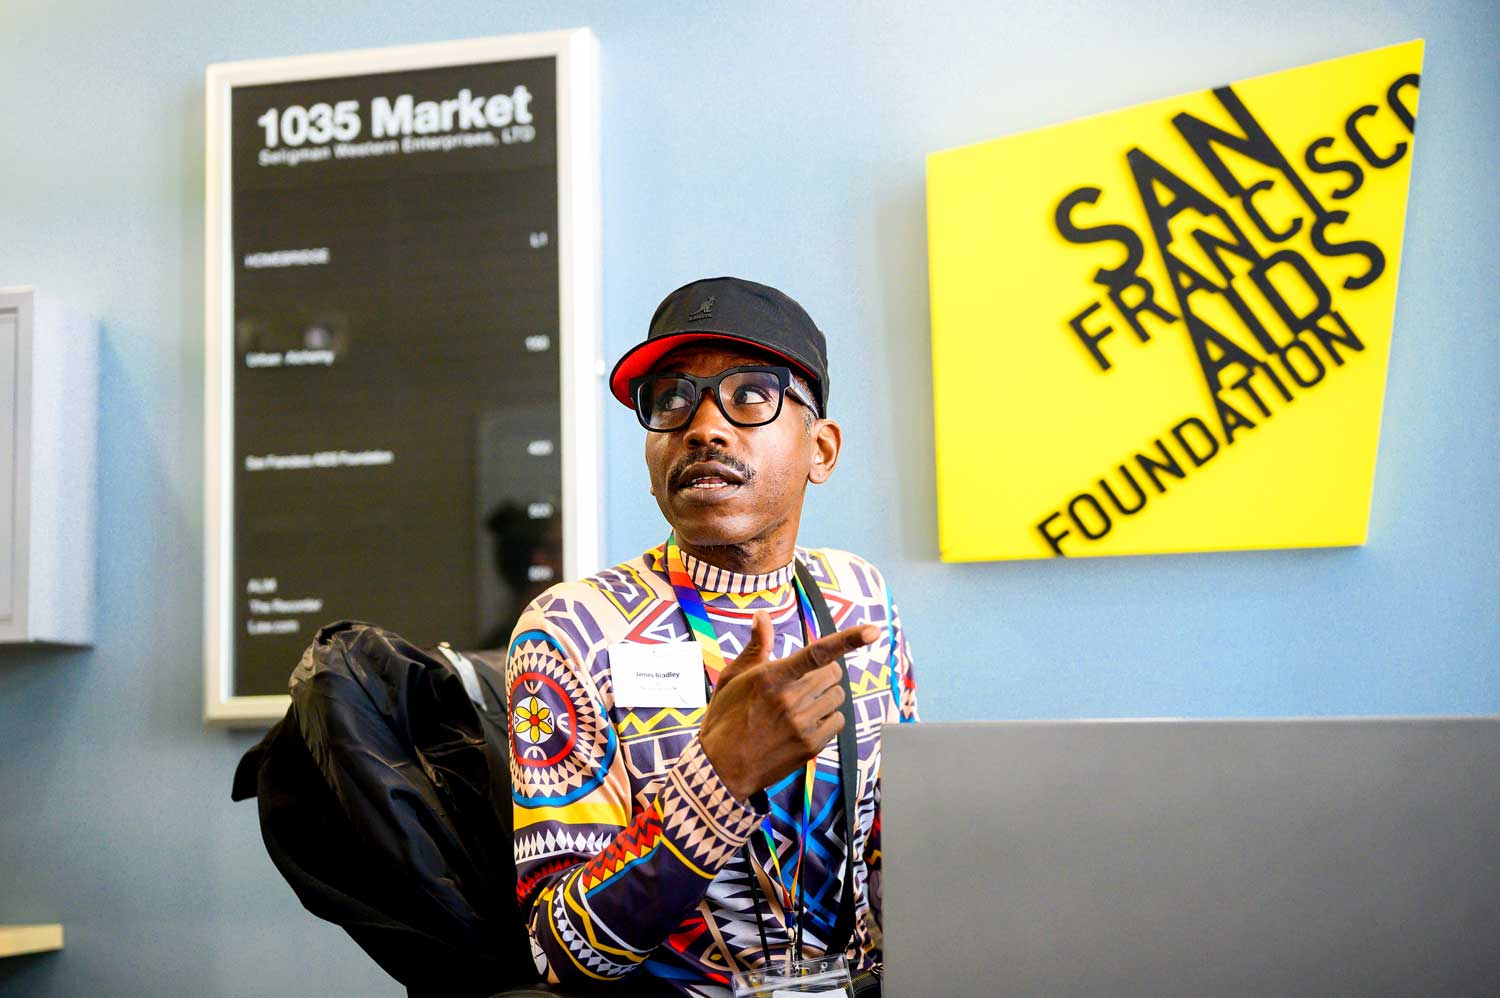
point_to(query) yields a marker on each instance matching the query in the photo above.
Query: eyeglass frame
(710, 386)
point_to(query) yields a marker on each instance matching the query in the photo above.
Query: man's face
(721, 484)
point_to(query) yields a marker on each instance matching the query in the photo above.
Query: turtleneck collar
(713, 579)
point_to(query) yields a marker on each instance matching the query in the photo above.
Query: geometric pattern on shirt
(840, 602)
(587, 621)
(567, 612)
(776, 599)
(839, 607)
(700, 815)
(907, 682)
(870, 684)
(717, 959)
(732, 629)
(638, 724)
(539, 958)
(868, 678)
(664, 624)
(623, 586)
(533, 845)
(688, 938)
(825, 846)
(732, 904)
(577, 946)
(575, 757)
(648, 759)
(710, 578)
(633, 843)
(821, 569)
(872, 707)
(538, 877)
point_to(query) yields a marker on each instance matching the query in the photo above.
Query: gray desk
(1307, 857)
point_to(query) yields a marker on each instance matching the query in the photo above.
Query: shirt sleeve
(904, 677)
(904, 709)
(603, 877)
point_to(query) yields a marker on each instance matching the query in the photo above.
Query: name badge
(821, 976)
(669, 675)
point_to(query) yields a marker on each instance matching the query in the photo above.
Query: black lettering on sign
(1080, 235)
(1081, 499)
(1215, 352)
(1291, 262)
(1187, 281)
(1147, 303)
(1352, 247)
(1285, 279)
(1253, 143)
(1151, 180)
(1118, 279)
(1168, 464)
(1281, 389)
(1395, 102)
(1231, 419)
(1244, 385)
(1351, 128)
(1356, 175)
(1303, 350)
(1140, 495)
(1180, 433)
(1345, 336)
(1274, 235)
(1214, 248)
(1053, 540)
(1089, 338)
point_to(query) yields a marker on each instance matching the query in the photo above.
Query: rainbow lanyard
(696, 613)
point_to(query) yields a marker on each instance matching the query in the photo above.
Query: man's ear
(826, 441)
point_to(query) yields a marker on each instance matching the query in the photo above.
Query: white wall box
(49, 379)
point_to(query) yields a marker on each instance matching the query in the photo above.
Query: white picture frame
(579, 295)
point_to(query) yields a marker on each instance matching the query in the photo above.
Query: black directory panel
(395, 392)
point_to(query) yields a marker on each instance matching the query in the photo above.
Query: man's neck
(755, 557)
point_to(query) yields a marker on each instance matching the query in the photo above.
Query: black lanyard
(843, 927)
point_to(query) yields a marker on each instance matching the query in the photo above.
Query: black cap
(729, 309)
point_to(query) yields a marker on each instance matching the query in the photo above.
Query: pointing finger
(828, 649)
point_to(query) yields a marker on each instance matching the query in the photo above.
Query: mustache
(709, 454)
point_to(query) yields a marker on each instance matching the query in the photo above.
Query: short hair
(809, 413)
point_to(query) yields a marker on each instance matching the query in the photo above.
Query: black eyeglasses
(747, 396)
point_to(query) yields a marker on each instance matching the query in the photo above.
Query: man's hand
(769, 717)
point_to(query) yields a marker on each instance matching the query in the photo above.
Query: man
(658, 836)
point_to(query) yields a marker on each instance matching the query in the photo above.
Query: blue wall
(784, 145)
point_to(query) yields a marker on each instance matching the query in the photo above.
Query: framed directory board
(403, 349)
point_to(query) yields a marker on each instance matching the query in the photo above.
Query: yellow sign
(1167, 328)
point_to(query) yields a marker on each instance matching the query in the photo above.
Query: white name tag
(669, 675)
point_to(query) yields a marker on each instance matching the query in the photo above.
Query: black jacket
(384, 799)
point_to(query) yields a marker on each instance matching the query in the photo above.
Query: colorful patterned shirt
(630, 851)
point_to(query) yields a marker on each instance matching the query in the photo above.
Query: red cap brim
(641, 358)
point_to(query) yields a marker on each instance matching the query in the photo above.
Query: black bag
(384, 799)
